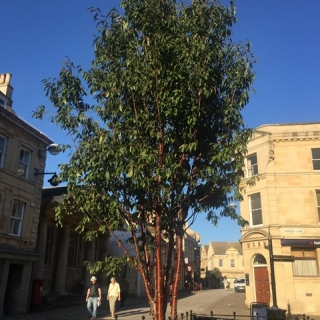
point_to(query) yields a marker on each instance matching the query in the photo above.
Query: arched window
(259, 259)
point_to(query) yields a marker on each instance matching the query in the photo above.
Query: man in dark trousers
(124, 288)
(93, 297)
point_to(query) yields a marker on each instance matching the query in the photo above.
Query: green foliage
(165, 136)
(110, 266)
(216, 274)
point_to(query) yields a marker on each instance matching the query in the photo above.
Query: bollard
(143, 317)
(191, 315)
(65, 317)
(181, 316)
(116, 316)
(234, 314)
(211, 314)
(187, 315)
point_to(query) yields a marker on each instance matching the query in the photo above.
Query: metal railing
(193, 316)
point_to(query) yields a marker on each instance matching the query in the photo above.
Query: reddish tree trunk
(176, 277)
(158, 272)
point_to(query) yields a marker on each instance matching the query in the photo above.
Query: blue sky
(37, 35)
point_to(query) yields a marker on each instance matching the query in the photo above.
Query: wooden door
(261, 278)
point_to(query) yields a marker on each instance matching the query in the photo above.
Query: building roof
(54, 191)
(12, 117)
(220, 248)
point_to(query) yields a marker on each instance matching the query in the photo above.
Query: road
(220, 301)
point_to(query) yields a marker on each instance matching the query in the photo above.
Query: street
(220, 301)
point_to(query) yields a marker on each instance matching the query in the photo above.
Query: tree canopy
(164, 138)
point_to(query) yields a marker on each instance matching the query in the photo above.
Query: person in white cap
(92, 297)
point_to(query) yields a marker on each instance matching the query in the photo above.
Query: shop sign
(256, 244)
(300, 242)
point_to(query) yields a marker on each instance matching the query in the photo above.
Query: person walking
(124, 288)
(113, 295)
(92, 297)
(225, 283)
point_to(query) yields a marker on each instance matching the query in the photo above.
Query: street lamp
(232, 206)
(54, 180)
(53, 149)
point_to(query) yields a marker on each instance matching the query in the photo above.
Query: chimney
(5, 87)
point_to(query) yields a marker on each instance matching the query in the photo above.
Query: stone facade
(226, 257)
(62, 251)
(20, 198)
(283, 212)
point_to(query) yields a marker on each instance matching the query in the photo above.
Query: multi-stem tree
(164, 139)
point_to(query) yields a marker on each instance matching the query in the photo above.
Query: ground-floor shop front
(282, 271)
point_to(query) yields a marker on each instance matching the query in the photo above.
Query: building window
(318, 202)
(72, 251)
(316, 158)
(220, 262)
(47, 255)
(255, 209)
(232, 263)
(16, 217)
(211, 264)
(252, 165)
(24, 162)
(3, 142)
(305, 262)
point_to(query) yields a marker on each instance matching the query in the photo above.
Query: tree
(165, 139)
(216, 274)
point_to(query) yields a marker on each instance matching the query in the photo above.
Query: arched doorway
(261, 279)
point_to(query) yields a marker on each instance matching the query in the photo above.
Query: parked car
(240, 285)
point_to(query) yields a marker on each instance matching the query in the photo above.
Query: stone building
(226, 257)
(190, 268)
(283, 210)
(192, 258)
(62, 251)
(21, 152)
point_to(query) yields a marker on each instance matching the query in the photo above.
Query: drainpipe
(272, 275)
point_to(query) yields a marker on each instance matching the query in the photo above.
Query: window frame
(315, 161)
(250, 173)
(25, 165)
(232, 263)
(72, 255)
(3, 152)
(48, 249)
(14, 219)
(255, 209)
(318, 203)
(304, 258)
(220, 262)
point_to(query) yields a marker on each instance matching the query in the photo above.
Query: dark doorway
(261, 278)
(12, 295)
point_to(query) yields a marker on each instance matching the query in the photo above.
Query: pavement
(217, 301)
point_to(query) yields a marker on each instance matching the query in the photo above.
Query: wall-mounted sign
(247, 279)
(300, 242)
(256, 244)
(283, 258)
(293, 231)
